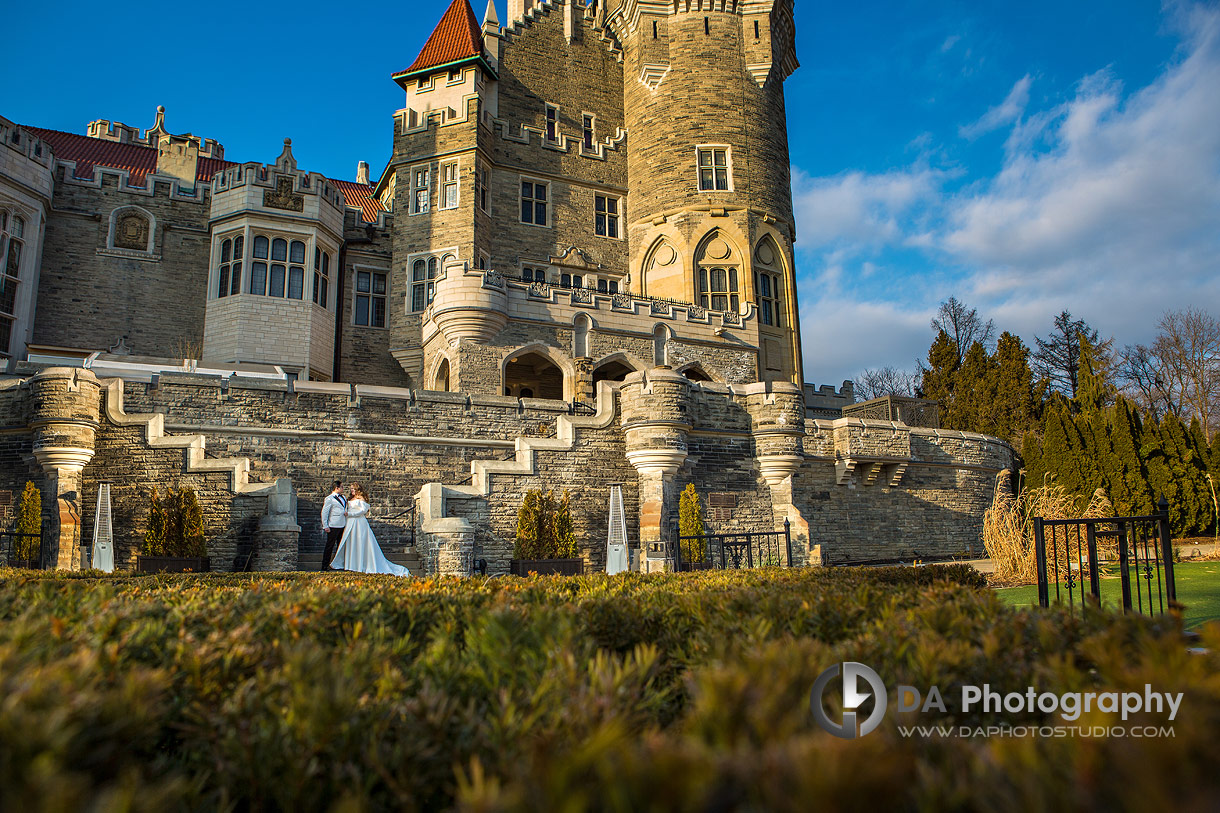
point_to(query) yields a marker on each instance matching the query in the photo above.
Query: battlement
(827, 402)
(118, 132)
(152, 184)
(279, 187)
(17, 139)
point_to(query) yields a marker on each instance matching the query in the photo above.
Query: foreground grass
(1198, 587)
(675, 692)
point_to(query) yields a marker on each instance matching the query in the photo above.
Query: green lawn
(1198, 586)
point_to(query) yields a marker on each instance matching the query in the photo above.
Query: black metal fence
(1073, 552)
(737, 551)
(10, 544)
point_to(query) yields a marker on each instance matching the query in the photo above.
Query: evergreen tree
(1057, 359)
(937, 378)
(972, 406)
(529, 520)
(1014, 411)
(563, 533)
(192, 543)
(690, 523)
(1126, 481)
(1094, 388)
(154, 534)
(29, 521)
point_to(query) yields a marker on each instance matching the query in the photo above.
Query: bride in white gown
(358, 549)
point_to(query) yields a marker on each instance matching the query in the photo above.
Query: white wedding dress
(358, 549)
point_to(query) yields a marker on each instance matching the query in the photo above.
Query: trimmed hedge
(684, 692)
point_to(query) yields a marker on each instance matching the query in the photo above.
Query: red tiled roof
(360, 196)
(457, 36)
(209, 167)
(138, 159)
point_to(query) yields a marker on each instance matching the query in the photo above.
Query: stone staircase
(310, 556)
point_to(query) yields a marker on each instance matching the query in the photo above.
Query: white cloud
(1006, 112)
(858, 208)
(1107, 204)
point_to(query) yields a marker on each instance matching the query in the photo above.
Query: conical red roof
(457, 37)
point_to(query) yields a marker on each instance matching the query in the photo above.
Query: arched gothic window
(769, 283)
(717, 267)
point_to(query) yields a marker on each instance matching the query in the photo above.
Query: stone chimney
(362, 173)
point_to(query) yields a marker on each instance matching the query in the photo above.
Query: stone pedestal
(278, 544)
(448, 545)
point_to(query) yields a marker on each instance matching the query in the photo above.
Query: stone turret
(777, 422)
(64, 418)
(655, 415)
(470, 304)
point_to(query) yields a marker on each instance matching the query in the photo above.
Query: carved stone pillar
(64, 418)
(279, 536)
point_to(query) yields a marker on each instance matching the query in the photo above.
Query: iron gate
(737, 551)
(1069, 551)
(9, 541)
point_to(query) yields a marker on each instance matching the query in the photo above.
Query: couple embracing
(345, 522)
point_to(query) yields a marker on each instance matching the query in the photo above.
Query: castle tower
(710, 218)
(433, 176)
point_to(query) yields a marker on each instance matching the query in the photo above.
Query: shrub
(175, 525)
(673, 691)
(562, 531)
(544, 527)
(690, 523)
(29, 521)
(154, 534)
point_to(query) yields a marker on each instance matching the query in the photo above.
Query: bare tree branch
(1187, 352)
(884, 381)
(963, 325)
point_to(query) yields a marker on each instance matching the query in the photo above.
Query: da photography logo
(853, 698)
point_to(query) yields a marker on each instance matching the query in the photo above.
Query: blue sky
(1024, 157)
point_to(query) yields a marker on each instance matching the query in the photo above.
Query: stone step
(411, 561)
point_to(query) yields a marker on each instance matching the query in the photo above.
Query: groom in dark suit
(334, 518)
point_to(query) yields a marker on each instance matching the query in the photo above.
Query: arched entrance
(611, 371)
(441, 380)
(695, 373)
(533, 375)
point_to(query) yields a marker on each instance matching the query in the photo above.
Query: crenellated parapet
(278, 189)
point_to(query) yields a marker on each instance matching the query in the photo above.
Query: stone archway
(533, 375)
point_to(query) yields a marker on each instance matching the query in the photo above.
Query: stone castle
(557, 284)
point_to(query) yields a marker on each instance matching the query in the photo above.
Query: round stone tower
(710, 193)
(707, 77)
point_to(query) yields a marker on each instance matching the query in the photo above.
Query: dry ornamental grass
(1008, 530)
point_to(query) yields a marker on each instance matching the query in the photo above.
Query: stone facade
(553, 284)
(449, 470)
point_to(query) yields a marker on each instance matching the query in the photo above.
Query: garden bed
(631, 692)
